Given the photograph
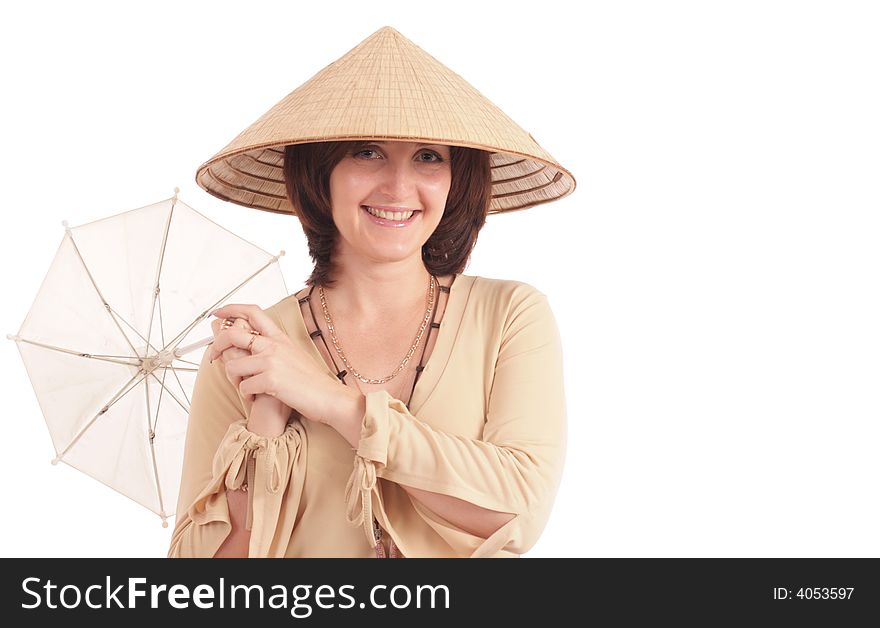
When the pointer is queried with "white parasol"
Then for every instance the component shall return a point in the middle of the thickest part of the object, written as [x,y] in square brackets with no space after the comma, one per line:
[115,336]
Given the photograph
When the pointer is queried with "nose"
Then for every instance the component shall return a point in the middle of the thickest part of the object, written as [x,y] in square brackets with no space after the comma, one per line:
[398,179]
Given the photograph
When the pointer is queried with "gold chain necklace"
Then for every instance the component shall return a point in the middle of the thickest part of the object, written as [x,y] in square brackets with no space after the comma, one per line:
[406,359]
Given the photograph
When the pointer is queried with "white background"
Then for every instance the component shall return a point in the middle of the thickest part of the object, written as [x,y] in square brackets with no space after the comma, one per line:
[714,276]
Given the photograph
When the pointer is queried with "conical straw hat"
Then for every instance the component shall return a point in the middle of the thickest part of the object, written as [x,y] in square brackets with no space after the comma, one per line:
[386,88]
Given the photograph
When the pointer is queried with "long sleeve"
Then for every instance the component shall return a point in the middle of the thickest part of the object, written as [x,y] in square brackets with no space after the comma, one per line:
[515,467]
[221,454]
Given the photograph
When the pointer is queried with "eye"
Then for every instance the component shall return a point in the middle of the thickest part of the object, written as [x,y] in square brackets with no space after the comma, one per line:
[429,156]
[366,153]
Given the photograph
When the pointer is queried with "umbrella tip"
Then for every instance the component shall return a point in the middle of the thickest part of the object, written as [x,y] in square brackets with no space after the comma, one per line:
[64,224]
[164,522]
[55,461]
[11,337]
[282,253]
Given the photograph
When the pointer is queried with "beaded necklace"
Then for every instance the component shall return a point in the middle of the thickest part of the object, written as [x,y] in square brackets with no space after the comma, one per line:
[394,552]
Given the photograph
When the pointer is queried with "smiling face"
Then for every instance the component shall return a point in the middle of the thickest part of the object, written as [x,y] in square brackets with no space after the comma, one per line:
[387,198]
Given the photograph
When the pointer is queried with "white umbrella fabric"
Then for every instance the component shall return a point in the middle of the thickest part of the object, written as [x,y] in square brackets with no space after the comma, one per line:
[115,336]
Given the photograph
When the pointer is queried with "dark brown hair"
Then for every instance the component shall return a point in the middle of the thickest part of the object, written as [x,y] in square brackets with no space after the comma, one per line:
[307,170]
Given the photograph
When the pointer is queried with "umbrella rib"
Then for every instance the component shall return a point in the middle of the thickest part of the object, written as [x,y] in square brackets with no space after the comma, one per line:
[121,359]
[126,388]
[158,405]
[171,394]
[179,383]
[95,286]
[149,412]
[156,283]
[161,320]
[158,485]
[205,314]
[162,331]
[163,387]
[152,445]
[185,408]
[137,333]
[152,437]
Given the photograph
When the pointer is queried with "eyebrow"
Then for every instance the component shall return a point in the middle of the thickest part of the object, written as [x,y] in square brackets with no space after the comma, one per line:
[394,141]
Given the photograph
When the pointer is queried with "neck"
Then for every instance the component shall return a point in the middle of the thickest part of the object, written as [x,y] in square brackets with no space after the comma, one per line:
[388,291]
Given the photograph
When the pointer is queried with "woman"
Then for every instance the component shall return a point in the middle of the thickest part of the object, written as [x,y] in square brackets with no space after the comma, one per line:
[395,406]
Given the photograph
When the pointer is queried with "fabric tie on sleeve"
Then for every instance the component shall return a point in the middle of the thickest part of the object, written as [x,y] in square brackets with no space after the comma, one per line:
[272,471]
[243,473]
[250,444]
[358,496]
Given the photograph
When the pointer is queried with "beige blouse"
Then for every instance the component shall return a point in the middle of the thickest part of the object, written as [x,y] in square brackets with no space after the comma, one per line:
[486,423]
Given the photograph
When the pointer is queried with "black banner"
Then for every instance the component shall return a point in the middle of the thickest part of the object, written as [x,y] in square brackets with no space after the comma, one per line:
[550,591]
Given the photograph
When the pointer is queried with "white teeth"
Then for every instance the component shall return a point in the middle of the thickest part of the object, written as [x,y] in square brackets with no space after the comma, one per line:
[389,215]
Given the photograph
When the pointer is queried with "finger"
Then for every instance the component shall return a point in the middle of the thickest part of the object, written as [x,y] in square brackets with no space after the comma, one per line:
[247,366]
[220,324]
[247,398]
[230,353]
[233,353]
[258,384]
[253,314]
[238,337]
[221,343]
[236,381]
[217,326]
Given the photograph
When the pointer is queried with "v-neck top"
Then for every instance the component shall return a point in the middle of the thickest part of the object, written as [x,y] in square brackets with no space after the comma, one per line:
[486,423]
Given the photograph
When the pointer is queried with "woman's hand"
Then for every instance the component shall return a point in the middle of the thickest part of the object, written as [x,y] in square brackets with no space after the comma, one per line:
[267,415]
[275,366]
[231,353]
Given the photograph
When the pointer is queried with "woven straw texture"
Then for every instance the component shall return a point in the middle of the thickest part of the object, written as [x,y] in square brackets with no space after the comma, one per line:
[386,88]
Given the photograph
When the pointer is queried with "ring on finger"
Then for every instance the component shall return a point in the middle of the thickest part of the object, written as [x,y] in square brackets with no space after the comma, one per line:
[227,323]
[254,334]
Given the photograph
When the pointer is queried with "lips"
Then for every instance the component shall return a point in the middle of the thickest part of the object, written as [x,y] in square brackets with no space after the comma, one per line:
[391,222]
